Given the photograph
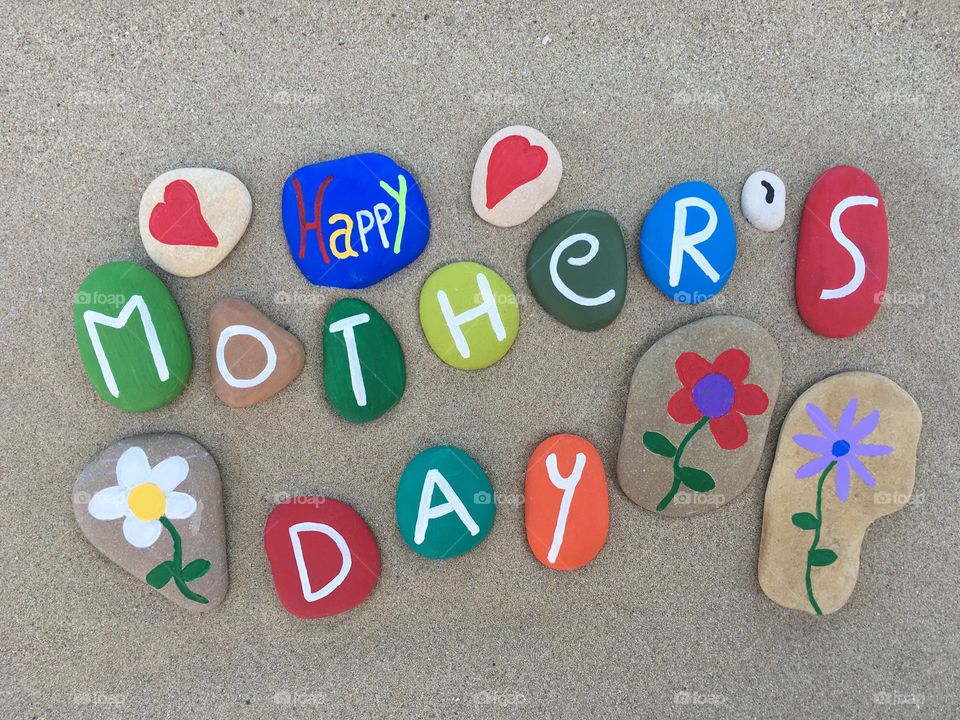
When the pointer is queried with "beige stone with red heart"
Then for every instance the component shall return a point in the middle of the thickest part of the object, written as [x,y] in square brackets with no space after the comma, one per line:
[517,173]
[191,218]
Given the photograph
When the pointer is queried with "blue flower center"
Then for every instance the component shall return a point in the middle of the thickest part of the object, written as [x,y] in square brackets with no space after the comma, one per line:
[840,448]
[713,395]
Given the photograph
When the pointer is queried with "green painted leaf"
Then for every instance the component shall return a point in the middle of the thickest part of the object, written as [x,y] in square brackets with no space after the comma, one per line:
[697,480]
[805,521]
[657,443]
[195,569]
[160,575]
[821,557]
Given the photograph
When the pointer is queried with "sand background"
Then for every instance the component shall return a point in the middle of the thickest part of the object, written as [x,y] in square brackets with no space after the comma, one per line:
[98,101]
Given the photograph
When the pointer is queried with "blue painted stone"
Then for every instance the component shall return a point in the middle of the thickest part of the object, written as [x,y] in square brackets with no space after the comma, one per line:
[352,222]
[692,263]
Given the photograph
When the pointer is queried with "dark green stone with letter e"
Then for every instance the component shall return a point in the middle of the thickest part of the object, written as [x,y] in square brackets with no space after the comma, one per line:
[131,336]
[577,269]
[364,373]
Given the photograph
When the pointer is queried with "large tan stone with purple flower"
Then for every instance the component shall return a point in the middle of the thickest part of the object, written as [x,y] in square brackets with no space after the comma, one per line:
[697,416]
[847,455]
[152,504]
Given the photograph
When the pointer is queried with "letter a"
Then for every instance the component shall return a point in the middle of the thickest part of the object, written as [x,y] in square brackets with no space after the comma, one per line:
[425,514]
[687,244]
[488,307]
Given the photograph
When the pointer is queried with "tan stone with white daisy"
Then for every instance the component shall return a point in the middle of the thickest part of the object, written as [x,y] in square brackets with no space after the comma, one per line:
[153,505]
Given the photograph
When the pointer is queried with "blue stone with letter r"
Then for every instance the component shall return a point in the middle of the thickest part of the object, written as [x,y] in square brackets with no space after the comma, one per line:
[688,244]
[354,221]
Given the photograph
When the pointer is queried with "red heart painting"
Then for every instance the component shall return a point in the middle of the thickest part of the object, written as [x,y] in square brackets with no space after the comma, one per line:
[513,162]
[178,220]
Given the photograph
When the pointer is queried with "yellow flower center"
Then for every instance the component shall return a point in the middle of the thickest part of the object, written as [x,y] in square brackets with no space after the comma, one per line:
[147,501]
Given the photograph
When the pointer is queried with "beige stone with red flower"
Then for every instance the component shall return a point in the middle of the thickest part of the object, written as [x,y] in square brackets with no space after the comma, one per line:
[697,416]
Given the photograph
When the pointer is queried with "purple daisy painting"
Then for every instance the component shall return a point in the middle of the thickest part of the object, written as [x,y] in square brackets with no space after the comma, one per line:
[839,447]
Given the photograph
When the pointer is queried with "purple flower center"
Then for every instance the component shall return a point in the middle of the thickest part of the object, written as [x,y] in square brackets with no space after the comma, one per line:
[713,395]
[840,448]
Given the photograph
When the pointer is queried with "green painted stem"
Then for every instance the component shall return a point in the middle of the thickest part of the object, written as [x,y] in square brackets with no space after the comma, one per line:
[177,562]
[668,498]
[816,538]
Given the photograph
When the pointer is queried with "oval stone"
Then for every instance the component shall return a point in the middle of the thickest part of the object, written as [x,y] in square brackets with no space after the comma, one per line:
[698,412]
[191,218]
[131,336]
[847,456]
[153,505]
[516,174]
[445,503]
[364,373]
[469,315]
[688,244]
[354,221]
[566,510]
[251,357]
[842,253]
[577,269]
[763,201]
[323,556]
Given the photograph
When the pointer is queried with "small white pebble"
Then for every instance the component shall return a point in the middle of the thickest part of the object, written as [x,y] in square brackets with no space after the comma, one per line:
[546,40]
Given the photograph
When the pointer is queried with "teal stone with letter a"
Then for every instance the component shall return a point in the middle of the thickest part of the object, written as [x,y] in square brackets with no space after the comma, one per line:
[445,504]
[131,336]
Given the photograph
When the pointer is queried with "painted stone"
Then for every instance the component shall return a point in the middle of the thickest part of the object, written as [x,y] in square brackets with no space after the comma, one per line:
[846,457]
[577,270]
[131,336]
[517,173]
[323,556]
[445,504]
[842,253]
[153,505]
[251,357]
[364,374]
[763,201]
[688,244]
[354,221]
[697,416]
[566,510]
[469,315]
[191,218]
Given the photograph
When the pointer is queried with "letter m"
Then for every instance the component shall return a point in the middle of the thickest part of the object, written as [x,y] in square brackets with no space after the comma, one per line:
[92,318]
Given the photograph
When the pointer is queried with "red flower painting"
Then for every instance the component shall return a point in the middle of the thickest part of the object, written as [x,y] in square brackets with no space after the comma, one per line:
[711,393]
[716,391]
